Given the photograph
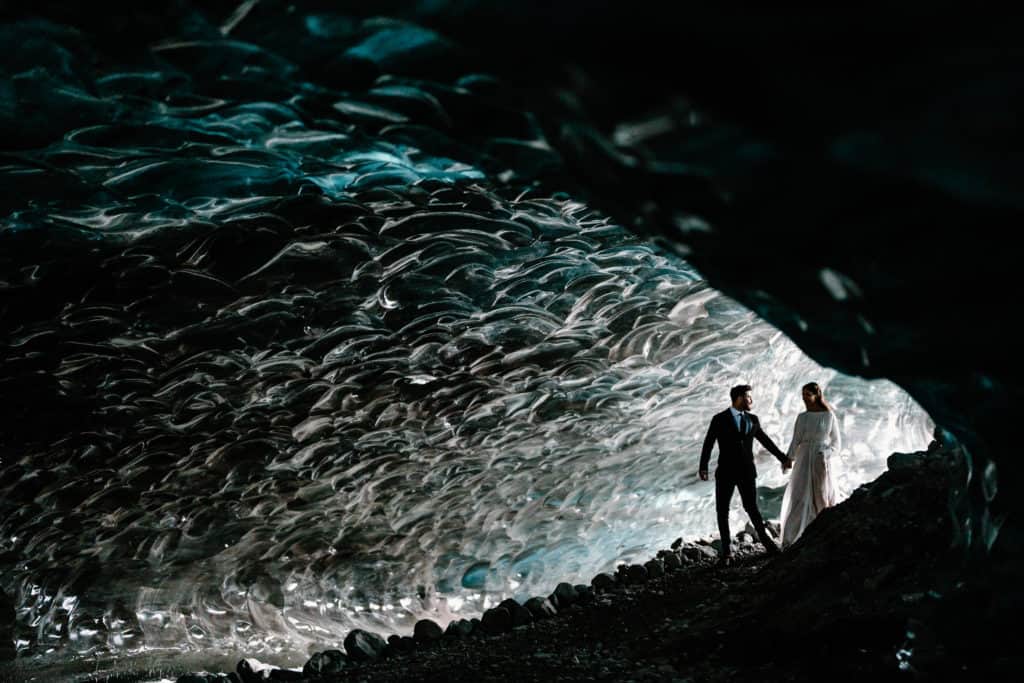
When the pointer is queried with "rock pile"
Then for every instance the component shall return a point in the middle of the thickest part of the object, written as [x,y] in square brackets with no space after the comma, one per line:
[840,600]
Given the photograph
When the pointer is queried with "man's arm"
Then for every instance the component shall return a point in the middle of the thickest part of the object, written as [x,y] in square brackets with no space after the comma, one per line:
[770,445]
[705,452]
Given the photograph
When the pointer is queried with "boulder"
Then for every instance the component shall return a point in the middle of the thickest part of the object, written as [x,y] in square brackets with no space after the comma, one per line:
[250,671]
[637,573]
[426,631]
[520,614]
[584,594]
[496,620]
[7,651]
[363,645]
[401,644]
[459,628]
[540,608]
[900,461]
[654,568]
[326,662]
[699,553]
[563,596]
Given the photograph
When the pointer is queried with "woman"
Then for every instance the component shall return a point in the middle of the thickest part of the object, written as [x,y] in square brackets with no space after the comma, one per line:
[815,440]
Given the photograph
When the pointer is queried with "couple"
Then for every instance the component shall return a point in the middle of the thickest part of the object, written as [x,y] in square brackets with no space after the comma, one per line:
[815,439]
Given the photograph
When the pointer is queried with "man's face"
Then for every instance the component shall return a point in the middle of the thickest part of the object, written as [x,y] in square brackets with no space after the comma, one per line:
[744,401]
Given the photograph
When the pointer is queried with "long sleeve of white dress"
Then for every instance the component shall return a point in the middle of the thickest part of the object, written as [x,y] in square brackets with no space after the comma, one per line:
[835,439]
[791,451]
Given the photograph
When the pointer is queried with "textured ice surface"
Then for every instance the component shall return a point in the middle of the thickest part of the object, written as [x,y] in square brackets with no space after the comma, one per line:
[310,369]
[486,404]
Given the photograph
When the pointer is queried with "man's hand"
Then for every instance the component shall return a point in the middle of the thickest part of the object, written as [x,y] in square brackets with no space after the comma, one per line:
[703,475]
[786,464]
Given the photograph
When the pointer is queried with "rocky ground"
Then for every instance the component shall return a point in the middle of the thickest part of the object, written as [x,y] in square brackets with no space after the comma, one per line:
[850,601]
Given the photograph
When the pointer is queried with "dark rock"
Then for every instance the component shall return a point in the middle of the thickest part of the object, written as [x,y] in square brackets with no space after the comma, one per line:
[698,553]
[603,582]
[676,543]
[363,645]
[496,620]
[401,644]
[460,628]
[427,631]
[637,573]
[286,675]
[7,651]
[873,582]
[540,608]
[654,568]
[584,594]
[672,562]
[899,461]
[326,662]
[192,678]
[520,615]
[876,548]
[248,674]
[563,596]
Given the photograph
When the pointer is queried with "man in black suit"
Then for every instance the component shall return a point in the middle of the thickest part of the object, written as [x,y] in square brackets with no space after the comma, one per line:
[735,430]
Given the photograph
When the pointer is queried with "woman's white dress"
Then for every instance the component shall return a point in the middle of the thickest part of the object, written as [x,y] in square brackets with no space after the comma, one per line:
[815,442]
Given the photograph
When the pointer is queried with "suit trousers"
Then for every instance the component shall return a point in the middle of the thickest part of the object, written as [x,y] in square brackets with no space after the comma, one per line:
[724,485]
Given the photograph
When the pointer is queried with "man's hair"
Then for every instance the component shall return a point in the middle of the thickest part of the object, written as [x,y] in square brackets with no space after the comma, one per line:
[738,391]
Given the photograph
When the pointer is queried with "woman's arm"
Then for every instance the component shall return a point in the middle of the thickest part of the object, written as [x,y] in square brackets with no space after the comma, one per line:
[796,437]
[835,439]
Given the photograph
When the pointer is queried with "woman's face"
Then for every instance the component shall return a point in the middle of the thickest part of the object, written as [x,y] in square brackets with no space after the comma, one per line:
[809,398]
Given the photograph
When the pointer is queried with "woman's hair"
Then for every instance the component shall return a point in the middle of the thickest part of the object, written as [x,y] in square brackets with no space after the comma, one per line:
[816,390]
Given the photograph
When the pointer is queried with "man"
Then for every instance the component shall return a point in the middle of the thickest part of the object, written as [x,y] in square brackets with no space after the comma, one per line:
[735,430]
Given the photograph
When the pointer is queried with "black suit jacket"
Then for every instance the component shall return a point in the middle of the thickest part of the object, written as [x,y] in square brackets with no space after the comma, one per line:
[735,451]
